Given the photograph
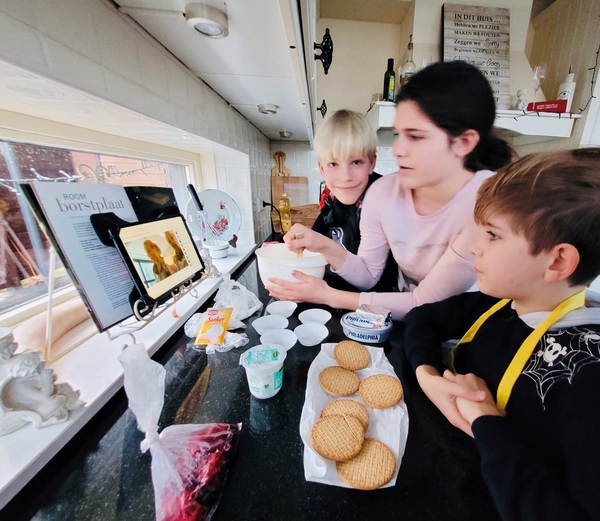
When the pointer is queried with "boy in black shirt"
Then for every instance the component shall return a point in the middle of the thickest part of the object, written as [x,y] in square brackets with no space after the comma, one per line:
[526,384]
[346,147]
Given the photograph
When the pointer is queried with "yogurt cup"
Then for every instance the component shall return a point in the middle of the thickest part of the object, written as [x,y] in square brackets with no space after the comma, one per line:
[264,369]
[361,329]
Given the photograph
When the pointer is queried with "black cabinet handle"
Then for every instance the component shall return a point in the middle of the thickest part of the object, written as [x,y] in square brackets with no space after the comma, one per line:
[326,47]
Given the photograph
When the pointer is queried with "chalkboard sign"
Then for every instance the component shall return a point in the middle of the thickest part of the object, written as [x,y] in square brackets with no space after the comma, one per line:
[480,36]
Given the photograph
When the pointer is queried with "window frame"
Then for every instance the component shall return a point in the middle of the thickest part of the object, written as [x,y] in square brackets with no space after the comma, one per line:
[22,128]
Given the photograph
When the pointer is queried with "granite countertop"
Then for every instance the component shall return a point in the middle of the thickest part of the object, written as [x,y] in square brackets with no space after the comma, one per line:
[102,475]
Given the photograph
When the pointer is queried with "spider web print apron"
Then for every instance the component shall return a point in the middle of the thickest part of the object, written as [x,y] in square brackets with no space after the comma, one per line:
[513,371]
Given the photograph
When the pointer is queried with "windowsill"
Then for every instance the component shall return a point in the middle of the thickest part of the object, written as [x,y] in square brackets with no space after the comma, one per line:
[93,369]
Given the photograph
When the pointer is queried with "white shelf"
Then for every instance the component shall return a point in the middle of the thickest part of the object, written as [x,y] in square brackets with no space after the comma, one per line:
[94,370]
[530,127]
[521,127]
[382,115]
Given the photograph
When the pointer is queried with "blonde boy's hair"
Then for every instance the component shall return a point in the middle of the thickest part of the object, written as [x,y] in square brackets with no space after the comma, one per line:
[550,198]
[346,133]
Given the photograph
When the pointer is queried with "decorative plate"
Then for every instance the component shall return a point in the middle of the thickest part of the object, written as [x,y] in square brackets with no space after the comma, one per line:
[221,212]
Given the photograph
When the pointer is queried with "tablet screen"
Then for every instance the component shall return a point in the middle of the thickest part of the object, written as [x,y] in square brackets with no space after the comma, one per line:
[163,254]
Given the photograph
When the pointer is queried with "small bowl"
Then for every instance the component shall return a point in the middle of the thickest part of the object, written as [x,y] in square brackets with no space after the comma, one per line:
[285,308]
[281,337]
[269,322]
[311,334]
[315,316]
[218,248]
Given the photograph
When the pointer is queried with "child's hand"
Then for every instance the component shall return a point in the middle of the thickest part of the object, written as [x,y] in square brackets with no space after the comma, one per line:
[307,289]
[443,393]
[301,238]
[471,410]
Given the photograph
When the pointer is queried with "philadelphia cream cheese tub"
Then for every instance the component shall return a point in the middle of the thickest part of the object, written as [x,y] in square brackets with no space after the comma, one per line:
[361,329]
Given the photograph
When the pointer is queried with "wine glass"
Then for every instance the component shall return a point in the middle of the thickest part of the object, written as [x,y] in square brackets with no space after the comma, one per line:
[539,75]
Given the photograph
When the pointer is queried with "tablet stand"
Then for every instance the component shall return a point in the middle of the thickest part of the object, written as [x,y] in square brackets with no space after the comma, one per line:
[51,265]
[144,309]
[47,349]
[129,327]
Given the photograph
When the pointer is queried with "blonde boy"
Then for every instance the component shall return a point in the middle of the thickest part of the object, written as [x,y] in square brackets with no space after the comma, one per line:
[527,381]
[346,148]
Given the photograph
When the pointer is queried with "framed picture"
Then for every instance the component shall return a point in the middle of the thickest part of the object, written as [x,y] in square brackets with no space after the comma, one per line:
[480,36]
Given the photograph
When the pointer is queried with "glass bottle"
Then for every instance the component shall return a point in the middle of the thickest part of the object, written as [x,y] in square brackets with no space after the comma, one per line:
[389,81]
[409,68]
[285,211]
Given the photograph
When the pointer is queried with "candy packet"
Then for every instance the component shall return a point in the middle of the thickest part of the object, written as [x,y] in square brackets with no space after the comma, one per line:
[214,326]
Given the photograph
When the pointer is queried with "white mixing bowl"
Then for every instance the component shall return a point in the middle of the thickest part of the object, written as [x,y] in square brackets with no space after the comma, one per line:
[279,262]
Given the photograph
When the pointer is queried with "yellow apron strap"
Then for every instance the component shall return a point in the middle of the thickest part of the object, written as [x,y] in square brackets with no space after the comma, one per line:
[468,336]
[521,357]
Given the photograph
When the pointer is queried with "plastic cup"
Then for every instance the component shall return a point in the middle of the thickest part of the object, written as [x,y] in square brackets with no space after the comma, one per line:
[281,337]
[282,307]
[264,369]
[263,324]
[311,334]
[315,315]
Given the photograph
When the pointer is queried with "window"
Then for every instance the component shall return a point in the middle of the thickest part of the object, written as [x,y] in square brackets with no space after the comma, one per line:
[24,249]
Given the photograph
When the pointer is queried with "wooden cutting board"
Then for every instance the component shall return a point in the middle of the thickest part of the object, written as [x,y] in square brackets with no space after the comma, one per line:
[279,169]
[305,215]
[296,188]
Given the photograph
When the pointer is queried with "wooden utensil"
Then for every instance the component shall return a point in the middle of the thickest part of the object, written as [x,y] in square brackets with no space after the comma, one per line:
[279,170]
[300,254]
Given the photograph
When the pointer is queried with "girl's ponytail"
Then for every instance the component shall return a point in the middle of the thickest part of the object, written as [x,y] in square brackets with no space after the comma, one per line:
[491,153]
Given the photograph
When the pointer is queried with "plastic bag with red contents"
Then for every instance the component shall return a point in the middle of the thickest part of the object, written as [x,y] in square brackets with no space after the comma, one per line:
[189,462]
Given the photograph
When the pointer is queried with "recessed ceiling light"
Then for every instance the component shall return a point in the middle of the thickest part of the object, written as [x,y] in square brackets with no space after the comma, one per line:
[207,20]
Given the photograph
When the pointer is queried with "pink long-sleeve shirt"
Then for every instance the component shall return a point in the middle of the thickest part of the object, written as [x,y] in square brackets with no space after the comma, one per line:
[432,251]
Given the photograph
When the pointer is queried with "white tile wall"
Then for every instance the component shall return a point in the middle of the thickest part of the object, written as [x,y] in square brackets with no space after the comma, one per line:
[89,45]
[386,164]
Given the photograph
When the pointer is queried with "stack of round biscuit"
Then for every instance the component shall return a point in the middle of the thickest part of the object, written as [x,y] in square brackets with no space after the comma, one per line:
[339,434]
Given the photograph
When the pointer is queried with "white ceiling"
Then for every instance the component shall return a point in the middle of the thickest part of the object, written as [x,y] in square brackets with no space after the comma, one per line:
[381,11]
[255,64]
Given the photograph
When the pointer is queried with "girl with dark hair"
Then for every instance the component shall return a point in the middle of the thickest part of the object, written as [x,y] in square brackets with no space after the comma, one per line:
[456,97]
[445,148]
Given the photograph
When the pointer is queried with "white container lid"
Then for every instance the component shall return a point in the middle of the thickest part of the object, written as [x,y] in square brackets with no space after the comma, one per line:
[356,321]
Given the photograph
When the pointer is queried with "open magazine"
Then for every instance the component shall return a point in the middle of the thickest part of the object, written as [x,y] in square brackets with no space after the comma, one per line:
[98,271]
